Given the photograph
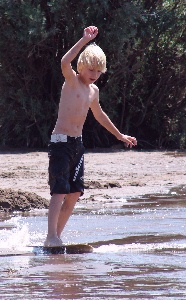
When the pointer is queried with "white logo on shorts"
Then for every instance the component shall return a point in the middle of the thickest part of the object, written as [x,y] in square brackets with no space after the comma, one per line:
[78,168]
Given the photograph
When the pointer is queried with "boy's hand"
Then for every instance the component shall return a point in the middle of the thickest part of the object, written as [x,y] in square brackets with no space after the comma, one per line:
[90,32]
[128,140]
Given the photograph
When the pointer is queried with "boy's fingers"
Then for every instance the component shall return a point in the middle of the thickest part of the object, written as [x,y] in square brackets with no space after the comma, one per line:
[93,29]
[131,141]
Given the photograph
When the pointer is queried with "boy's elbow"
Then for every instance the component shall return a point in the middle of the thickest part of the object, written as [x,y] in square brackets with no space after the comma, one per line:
[64,65]
[63,62]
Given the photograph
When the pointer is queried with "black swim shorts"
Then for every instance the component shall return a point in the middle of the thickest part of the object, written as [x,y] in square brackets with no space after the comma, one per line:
[66,166]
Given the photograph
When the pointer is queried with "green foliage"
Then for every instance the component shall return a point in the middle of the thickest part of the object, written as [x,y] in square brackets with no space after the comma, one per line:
[143,90]
[28,74]
[148,78]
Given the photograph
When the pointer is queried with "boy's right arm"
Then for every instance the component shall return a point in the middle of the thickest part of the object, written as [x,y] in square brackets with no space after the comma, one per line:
[89,34]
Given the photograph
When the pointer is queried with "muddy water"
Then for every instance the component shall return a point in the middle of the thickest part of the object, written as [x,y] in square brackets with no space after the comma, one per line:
[139,253]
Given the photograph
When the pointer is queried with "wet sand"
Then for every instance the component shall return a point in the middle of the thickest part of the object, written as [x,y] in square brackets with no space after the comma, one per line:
[110,175]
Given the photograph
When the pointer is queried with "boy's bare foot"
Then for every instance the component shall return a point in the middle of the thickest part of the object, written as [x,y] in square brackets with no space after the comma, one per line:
[53,242]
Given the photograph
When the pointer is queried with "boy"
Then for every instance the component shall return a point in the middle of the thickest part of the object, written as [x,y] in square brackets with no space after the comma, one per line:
[79,93]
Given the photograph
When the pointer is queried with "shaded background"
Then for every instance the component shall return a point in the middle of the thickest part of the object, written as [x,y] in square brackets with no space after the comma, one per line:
[143,91]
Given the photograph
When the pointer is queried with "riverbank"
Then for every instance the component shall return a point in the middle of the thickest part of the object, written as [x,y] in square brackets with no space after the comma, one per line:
[111,176]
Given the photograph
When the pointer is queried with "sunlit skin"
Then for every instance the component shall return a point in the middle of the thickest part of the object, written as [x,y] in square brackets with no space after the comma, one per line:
[78,94]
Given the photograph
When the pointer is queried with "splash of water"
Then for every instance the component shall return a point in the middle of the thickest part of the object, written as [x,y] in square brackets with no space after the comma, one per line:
[17,238]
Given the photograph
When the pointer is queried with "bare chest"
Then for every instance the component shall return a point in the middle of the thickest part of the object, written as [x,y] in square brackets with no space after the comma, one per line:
[77,99]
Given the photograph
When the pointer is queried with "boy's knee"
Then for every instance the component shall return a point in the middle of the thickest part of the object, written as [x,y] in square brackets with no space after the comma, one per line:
[77,195]
[70,200]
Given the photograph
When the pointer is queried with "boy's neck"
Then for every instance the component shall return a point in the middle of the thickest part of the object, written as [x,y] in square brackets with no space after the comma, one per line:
[83,81]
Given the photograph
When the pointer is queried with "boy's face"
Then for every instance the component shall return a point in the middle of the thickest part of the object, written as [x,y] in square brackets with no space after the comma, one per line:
[90,75]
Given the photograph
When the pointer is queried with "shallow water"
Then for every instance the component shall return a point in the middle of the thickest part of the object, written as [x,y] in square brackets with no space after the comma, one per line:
[139,253]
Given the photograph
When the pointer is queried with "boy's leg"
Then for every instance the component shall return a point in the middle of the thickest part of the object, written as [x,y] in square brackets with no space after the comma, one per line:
[66,211]
[60,209]
[53,215]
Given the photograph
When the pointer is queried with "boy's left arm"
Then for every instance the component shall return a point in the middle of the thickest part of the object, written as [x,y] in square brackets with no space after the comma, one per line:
[104,120]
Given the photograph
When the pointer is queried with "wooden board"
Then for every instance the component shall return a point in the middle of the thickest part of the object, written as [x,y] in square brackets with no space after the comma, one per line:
[66,249]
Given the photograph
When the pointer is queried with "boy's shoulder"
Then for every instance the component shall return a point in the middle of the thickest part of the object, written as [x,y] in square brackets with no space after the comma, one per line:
[95,87]
[95,90]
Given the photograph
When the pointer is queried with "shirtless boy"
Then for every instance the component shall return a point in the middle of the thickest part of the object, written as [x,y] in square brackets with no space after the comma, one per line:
[79,93]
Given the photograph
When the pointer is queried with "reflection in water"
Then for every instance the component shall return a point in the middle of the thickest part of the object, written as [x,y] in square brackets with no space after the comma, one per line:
[139,253]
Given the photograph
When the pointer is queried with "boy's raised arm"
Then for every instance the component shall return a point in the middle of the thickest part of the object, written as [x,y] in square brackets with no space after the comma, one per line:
[89,34]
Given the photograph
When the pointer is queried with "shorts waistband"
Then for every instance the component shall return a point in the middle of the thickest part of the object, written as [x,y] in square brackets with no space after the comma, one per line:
[60,137]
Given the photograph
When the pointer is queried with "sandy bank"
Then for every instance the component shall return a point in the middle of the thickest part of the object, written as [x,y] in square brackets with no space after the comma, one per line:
[110,175]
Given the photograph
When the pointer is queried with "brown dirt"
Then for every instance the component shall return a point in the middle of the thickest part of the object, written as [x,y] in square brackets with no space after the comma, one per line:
[110,176]
[11,200]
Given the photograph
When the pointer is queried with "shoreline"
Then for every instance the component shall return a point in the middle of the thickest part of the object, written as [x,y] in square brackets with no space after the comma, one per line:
[111,176]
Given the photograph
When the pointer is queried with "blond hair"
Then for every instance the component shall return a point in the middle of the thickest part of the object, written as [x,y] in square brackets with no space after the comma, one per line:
[92,57]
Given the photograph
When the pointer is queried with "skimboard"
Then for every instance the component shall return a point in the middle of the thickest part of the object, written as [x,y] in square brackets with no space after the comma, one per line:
[41,250]
[65,249]
[14,252]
